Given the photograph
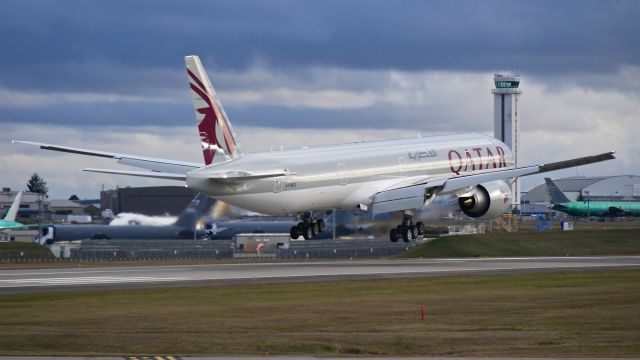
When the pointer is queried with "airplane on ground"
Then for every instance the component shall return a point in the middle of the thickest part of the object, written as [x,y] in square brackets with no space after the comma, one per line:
[182,228]
[560,202]
[399,175]
[9,221]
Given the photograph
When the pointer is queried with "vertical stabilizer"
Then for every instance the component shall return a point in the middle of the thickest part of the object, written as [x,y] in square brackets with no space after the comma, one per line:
[13,210]
[557,196]
[216,135]
[194,211]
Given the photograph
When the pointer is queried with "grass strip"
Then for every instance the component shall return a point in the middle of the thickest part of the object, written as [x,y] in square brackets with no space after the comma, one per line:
[550,243]
[537,315]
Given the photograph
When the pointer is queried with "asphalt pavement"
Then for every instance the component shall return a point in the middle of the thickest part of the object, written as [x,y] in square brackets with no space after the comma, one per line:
[128,277]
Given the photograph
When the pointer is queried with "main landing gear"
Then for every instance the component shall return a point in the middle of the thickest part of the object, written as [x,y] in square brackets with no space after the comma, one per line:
[406,231]
[308,227]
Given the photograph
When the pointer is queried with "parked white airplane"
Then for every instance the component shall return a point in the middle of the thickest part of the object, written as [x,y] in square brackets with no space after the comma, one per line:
[378,176]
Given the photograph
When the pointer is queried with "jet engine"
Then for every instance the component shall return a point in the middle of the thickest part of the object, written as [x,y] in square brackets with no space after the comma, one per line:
[487,200]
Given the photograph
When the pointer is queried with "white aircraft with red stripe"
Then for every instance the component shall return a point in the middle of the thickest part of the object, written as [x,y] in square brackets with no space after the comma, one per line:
[400,175]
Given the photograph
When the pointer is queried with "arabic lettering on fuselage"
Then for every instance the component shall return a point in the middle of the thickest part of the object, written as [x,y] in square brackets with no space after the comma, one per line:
[419,155]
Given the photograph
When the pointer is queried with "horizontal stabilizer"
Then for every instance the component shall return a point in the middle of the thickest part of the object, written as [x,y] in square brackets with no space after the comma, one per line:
[240,175]
[149,174]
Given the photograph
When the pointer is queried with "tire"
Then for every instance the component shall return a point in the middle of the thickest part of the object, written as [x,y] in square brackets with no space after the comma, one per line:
[321,225]
[414,231]
[294,232]
[420,227]
[307,233]
[407,234]
[314,229]
[393,235]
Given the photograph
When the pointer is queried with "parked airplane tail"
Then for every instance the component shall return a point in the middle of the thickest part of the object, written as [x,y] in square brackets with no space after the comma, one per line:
[557,196]
[216,135]
[194,211]
[13,210]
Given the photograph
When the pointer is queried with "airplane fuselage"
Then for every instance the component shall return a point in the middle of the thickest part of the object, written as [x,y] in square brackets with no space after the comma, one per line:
[343,176]
[599,208]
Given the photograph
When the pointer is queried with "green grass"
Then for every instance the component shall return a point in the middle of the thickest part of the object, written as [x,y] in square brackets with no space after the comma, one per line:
[546,314]
[20,250]
[550,243]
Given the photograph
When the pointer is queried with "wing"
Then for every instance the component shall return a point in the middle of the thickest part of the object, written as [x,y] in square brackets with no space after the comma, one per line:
[405,196]
[149,163]
[149,174]
[223,176]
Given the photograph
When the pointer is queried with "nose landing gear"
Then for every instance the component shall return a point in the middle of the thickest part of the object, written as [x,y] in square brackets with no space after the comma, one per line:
[407,230]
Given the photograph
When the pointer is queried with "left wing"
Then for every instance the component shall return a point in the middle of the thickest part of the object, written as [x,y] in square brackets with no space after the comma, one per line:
[149,163]
[222,176]
[418,194]
[149,174]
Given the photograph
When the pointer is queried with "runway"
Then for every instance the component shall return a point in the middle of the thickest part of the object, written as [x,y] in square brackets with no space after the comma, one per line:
[131,277]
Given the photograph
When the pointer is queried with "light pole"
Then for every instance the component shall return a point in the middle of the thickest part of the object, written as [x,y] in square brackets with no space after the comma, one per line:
[588,207]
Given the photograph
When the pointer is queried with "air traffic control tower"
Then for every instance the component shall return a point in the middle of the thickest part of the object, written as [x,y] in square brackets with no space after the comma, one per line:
[505,118]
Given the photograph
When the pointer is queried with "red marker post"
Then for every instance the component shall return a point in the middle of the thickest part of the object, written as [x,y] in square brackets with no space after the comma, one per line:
[422,312]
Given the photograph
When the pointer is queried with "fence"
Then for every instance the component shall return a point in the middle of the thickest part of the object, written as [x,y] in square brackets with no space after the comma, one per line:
[342,249]
[101,250]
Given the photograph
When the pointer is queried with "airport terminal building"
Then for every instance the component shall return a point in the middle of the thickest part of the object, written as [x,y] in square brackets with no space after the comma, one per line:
[600,188]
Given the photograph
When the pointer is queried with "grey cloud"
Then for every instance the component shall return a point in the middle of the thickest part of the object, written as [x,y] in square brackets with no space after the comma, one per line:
[48,44]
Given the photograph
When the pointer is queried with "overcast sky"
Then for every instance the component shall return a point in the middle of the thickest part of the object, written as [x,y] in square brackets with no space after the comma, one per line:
[110,75]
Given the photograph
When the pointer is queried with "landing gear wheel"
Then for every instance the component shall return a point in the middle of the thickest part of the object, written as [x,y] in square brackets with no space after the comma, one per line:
[307,232]
[420,228]
[314,229]
[393,235]
[321,225]
[407,234]
[294,232]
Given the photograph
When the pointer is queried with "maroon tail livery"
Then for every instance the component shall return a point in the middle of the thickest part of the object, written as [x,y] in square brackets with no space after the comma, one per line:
[216,135]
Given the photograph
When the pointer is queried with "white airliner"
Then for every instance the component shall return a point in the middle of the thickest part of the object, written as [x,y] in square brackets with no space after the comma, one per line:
[378,176]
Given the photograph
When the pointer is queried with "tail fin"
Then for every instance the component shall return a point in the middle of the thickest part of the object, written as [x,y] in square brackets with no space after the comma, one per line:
[196,209]
[13,210]
[216,135]
[557,196]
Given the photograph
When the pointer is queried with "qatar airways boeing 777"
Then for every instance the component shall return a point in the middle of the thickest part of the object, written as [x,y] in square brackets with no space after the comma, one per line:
[377,176]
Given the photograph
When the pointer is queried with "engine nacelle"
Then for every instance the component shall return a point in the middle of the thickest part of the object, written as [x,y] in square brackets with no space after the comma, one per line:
[486,201]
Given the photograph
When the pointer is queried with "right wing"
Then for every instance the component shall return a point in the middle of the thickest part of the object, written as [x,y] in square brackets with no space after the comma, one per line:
[416,195]
[149,163]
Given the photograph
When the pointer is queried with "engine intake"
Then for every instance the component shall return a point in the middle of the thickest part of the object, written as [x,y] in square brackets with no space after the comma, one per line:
[487,200]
